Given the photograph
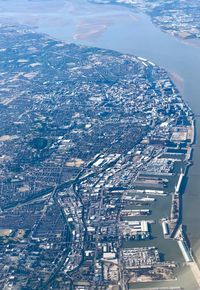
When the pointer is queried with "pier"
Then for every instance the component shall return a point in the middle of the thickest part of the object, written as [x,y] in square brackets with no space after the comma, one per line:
[187,254]
[176,207]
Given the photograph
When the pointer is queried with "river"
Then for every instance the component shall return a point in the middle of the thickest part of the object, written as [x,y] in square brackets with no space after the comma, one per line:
[119,28]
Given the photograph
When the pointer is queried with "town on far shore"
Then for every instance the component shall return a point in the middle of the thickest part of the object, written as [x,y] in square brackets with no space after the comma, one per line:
[174,17]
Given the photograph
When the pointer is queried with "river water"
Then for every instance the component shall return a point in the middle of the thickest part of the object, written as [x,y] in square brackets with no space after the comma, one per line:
[121,29]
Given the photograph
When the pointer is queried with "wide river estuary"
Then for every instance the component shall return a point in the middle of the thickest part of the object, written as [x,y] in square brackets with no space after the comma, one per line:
[124,30]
